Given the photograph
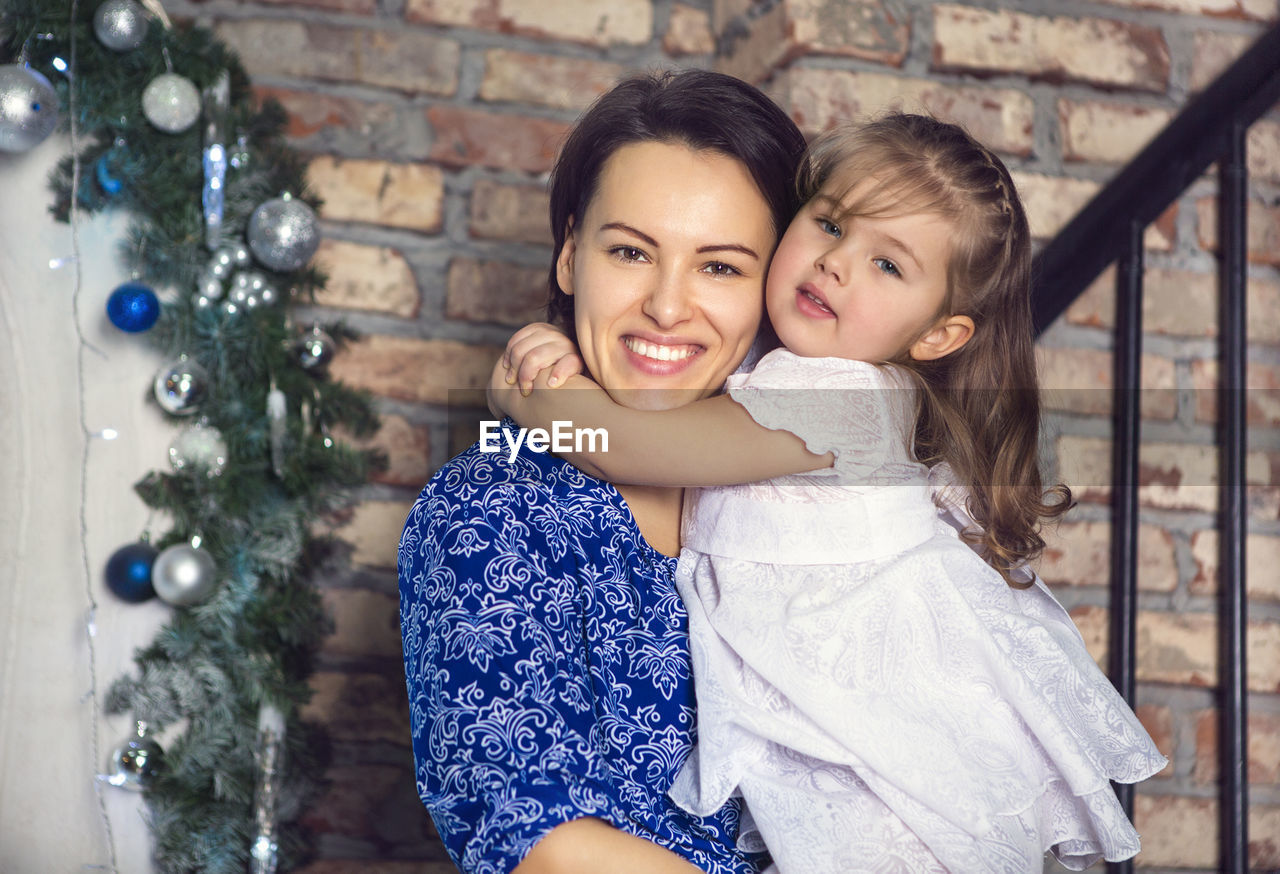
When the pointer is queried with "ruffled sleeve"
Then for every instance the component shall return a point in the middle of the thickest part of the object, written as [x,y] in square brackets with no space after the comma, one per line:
[859,411]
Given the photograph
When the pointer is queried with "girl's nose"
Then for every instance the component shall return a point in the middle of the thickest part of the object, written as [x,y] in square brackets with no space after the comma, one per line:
[669,301]
[833,261]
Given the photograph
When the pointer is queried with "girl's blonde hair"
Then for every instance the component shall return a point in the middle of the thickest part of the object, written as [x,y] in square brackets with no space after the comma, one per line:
[979,406]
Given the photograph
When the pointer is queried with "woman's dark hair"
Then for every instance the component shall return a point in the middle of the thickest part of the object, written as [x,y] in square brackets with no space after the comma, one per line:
[697,108]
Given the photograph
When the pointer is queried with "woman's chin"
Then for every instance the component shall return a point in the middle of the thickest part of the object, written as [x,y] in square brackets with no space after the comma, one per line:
[657,398]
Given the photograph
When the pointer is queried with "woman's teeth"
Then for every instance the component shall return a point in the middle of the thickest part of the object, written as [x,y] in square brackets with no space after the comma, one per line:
[658,352]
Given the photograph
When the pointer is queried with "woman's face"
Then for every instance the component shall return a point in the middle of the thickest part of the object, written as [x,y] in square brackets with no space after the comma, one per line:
[667,268]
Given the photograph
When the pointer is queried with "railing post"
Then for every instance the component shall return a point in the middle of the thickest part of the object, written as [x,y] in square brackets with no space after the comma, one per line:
[1233,750]
[1127,415]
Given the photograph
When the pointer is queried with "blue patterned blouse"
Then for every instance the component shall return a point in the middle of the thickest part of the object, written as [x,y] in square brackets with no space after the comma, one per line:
[547,659]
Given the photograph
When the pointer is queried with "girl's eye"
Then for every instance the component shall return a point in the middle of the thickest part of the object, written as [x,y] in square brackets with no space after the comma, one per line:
[627,253]
[886,266]
[719,268]
[829,227]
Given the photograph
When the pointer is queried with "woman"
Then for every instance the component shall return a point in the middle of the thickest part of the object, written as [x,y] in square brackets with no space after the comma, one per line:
[546,651]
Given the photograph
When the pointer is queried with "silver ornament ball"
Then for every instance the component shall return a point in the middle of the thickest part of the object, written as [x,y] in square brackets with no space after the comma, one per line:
[283,234]
[136,762]
[120,25]
[199,447]
[171,102]
[28,108]
[180,386]
[184,575]
[315,349]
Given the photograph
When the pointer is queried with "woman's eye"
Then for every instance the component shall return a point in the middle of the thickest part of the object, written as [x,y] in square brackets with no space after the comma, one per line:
[627,253]
[886,266]
[829,227]
[719,268]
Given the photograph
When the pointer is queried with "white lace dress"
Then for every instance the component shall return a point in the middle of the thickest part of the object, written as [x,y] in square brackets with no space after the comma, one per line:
[881,698]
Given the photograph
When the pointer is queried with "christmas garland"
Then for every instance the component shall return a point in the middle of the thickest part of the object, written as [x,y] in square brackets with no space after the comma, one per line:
[221,221]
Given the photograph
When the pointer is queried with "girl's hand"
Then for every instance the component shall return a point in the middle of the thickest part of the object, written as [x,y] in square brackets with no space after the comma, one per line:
[534,348]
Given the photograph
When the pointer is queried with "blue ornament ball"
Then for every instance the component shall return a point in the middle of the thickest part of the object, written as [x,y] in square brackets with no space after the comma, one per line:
[133,307]
[129,572]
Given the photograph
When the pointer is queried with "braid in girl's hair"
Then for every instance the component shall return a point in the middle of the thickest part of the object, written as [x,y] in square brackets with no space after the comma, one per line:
[980,406]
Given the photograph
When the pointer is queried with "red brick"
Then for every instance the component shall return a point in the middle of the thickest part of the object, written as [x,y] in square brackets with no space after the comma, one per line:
[407,447]
[379,192]
[373,530]
[1176,832]
[323,122]
[1263,156]
[363,708]
[1263,231]
[1262,392]
[354,7]
[372,278]
[1264,837]
[1106,132]
[593,22]
[1158,721]
[1262,558]
[371,803]
[1052,201]
[1180,303]
[422,371]
[1263,753]
[1171,476]
[518,213]
[365,623]
[495,291]
[819,99]
[1093,50]
[545,80]
[688,32]
[1080,381]
[867,29]
[1257,9]
[404,60]
[1079,554]
[1213,52]
[368,866]
[508,142]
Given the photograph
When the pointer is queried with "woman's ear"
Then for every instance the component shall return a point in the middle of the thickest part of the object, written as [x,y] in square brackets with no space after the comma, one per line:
[564,261]
[945,337]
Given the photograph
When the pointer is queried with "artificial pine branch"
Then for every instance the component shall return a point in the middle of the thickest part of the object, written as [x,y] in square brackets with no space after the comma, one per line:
[254,640]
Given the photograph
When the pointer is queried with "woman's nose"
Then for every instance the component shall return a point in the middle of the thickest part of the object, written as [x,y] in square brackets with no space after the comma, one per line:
[670,300]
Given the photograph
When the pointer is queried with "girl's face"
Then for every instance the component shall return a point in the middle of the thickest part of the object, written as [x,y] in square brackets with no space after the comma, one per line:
[860,288]
[667,265]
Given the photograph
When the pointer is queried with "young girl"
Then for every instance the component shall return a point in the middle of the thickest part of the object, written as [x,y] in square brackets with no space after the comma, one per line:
[877,672]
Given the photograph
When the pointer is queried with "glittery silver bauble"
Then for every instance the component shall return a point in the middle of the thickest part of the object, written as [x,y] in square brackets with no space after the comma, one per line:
[199,447]
[181,386]
[283,234]
[136,762]
[171,102]
[120,25]
[28,108]
[184,575]
[315,349]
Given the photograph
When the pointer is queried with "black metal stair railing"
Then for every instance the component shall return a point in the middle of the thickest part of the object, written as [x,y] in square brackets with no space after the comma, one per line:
[1212,127]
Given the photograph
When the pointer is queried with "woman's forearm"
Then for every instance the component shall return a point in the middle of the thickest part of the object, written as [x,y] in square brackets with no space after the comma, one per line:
[590,846]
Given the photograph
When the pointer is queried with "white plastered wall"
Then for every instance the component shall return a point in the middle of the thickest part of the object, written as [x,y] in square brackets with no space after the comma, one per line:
[49,815]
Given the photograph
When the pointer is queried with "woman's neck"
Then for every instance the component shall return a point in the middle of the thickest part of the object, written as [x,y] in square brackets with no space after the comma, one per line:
[657,513]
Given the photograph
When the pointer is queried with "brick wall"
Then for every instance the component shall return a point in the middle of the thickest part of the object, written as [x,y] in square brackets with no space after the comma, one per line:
[432,124]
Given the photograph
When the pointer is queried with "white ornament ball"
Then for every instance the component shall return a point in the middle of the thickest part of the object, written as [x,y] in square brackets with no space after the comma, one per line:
[171,102]
[120,25]
[199,447]
[28,108]
[184,575]
[283,234]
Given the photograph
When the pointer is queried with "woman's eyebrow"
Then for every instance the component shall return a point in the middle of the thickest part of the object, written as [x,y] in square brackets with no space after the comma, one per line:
[730,247]
[627,229]
[718,247]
